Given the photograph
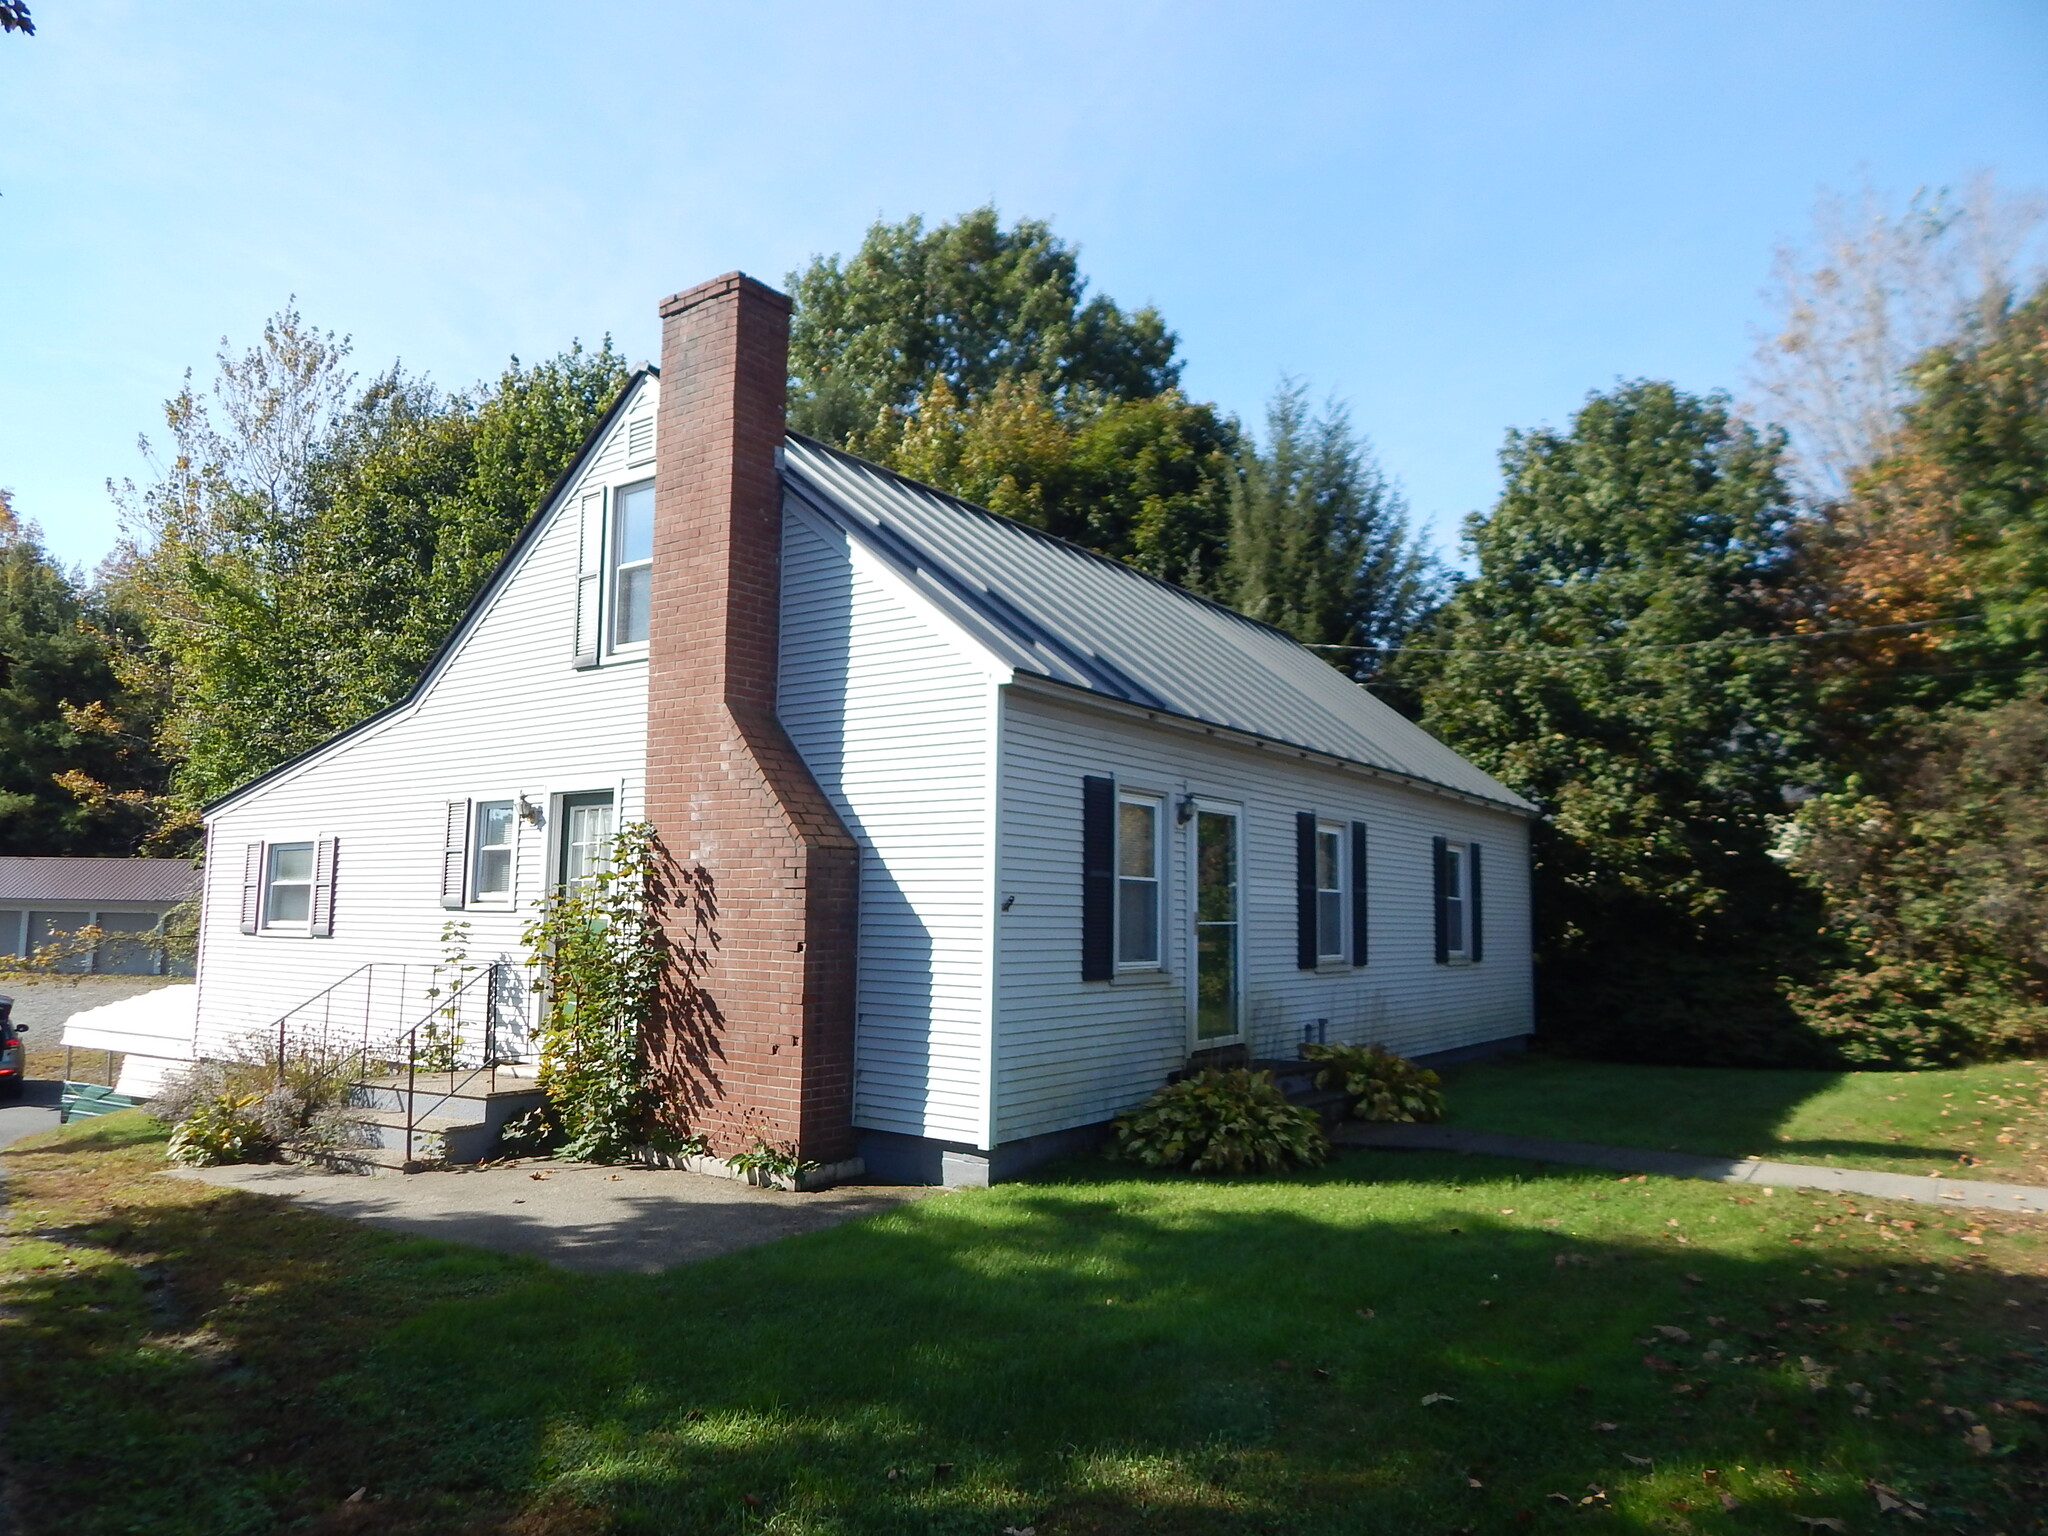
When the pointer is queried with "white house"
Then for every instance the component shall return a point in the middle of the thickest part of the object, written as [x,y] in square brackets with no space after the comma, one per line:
[978,836]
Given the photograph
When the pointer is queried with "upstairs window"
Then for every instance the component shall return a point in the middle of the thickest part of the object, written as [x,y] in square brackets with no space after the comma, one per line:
[1329,893]
[1137,881]
[491,866]
[632,562]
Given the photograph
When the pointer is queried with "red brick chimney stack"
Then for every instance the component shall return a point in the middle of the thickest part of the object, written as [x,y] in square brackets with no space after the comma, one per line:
[755,1036]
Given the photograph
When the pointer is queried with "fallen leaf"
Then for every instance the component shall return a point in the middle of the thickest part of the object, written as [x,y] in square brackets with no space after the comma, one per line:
[753,1500]
[1431,1399]
[1889,1499]
[941,1470]
[1821,1522]
[1729,1501]
[1658,1363]
[536,1175]
[1562,1498]
[1020,1530]
[1814,1302]
[1978,1439]
[1473,1482]
[1365,1312]
[1640,1461]
[1606,1429]
[2026,1405]
[356,1497]
[1678,1335]
[1693,1279]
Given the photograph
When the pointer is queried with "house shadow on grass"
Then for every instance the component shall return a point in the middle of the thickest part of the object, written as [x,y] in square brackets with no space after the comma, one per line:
[1091,1353]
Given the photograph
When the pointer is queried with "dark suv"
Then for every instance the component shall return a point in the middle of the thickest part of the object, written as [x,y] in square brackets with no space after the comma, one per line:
[12,1055]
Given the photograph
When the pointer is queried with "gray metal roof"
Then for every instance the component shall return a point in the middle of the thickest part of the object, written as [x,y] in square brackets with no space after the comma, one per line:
[1051,609]
[117,882]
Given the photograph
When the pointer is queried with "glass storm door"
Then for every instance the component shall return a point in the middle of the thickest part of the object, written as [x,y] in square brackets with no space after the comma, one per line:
[586,836]
[1216,903]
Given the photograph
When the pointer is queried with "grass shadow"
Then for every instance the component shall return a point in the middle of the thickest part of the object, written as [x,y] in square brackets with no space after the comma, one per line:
[1407,1342]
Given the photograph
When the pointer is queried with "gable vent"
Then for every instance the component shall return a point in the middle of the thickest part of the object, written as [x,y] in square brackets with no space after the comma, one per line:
[640,440]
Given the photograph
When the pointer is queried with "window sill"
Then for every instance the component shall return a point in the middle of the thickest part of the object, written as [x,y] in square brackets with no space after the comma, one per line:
[1147,976]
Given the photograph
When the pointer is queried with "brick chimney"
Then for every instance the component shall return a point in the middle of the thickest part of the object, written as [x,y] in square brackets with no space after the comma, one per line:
[755,1033]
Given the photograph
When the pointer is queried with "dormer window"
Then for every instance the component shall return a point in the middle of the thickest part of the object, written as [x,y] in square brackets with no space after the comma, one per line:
[632,545]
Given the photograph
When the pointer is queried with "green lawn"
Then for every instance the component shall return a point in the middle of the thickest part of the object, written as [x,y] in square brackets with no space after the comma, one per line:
[1983,1122]
[1092,1352]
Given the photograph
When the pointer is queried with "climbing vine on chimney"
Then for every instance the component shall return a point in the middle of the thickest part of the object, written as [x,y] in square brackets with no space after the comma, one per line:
[599,951]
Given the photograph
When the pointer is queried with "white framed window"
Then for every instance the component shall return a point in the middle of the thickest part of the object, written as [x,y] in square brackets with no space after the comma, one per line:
[288,886]
[632,547]
[1329,892]
[1457,928]
[490,876]
[586,837]
[1138,906]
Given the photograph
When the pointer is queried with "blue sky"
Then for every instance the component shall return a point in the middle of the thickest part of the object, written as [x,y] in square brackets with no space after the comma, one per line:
[1457,216]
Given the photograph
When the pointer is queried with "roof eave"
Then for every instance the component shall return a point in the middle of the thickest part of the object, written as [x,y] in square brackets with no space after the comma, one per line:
[1052,687]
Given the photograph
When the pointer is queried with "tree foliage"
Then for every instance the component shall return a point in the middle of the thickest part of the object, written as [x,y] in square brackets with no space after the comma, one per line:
[1936,872]
[1319,542]
[969,303]
[308,545]
[1596,663]
[79,773]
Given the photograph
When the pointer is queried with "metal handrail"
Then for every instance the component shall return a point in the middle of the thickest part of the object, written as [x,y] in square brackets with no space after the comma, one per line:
[403,1047]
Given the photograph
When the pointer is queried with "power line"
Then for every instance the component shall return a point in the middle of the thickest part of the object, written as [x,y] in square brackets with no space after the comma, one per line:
[1672,645]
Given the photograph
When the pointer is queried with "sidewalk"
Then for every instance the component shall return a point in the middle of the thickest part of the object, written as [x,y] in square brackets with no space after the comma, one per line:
[1972,1193]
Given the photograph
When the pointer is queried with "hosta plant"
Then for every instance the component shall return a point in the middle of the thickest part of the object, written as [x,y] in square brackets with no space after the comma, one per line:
[226,1129]
[1222,1122]
[1382,1085]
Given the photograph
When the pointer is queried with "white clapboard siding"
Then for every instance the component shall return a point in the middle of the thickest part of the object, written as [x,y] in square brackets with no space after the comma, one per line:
[505,714]
[894,712]
[1073,1053]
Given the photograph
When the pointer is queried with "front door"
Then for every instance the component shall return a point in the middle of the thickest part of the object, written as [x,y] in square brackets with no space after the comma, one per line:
[586,836]
[1217,971]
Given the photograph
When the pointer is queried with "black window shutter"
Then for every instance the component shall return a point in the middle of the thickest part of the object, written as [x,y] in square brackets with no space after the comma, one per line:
[1358,909]
[1098,878]
[1438,855]
[1305,890]
[1475,904]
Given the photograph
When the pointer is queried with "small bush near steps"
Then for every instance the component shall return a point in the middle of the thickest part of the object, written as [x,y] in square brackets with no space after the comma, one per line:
[1384,1086]
[1222,1122]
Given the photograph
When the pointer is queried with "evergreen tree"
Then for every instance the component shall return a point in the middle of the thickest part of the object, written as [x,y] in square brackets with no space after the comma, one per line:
[1596,663]
[1319,542]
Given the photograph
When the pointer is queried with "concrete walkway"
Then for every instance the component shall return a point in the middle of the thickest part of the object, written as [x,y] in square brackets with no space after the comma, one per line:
[580,1217]
[1970,1193]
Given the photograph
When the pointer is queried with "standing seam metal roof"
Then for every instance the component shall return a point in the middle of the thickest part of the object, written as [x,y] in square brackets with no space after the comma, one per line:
[1053,609]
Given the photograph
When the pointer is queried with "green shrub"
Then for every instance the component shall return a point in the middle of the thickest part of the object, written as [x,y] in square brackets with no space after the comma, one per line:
[225,1129]
[1222,1122]
[1384,1086]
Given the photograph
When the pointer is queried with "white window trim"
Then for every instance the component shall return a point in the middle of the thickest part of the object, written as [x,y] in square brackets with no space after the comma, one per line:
[510,897]
[609,615]
[1460,953]
[1341,955]
[1156,803]
[264,924]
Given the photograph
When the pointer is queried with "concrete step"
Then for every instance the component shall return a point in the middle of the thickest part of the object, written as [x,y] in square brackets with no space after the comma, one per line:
[435,1138]
[487,1097]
